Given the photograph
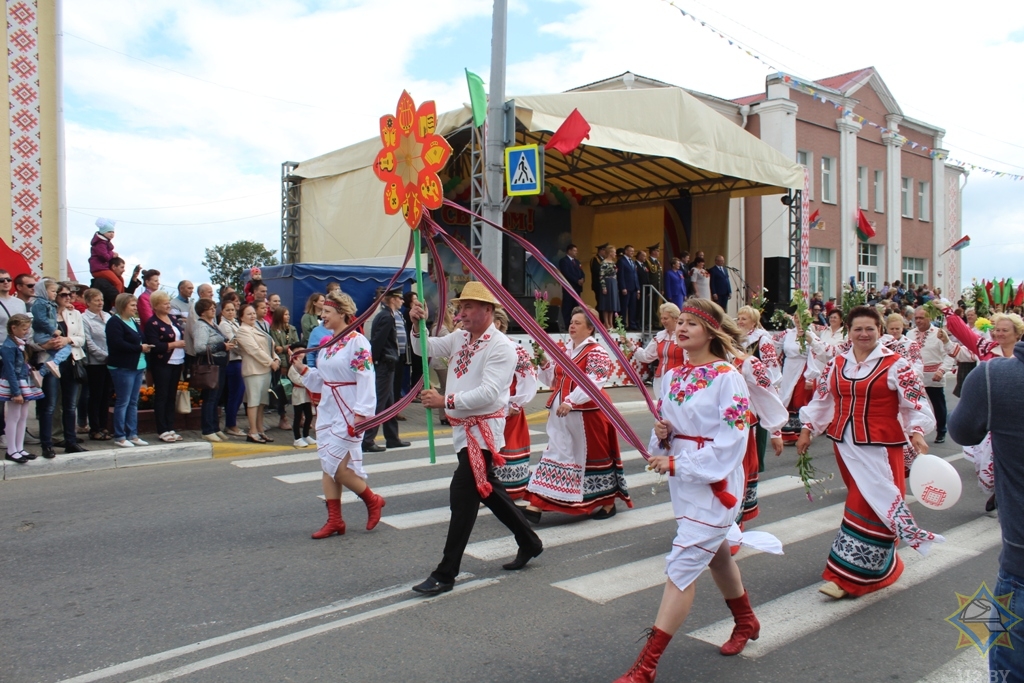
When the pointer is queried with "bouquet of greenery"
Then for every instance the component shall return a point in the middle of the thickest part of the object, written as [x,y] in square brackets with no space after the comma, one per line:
[780,320]
[936,308]
[809,477]
[540,314]
[758,301]
[803,316]
[853,295]
[976,296]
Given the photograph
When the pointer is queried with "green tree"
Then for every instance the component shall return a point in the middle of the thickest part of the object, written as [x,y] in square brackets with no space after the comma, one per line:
[228,263]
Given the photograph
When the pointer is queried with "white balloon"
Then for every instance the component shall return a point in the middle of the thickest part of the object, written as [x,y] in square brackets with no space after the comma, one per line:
[934,482]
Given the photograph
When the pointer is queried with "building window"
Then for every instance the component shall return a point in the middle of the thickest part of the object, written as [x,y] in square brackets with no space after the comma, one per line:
[906,208]
[879,191]
[820,272]
[828,180]
[867,265]
[806,158]
[862,187]
[914,270]
[923,197]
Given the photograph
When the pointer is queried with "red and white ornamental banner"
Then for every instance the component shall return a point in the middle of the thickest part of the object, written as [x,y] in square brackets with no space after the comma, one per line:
[26,156]
[805,236]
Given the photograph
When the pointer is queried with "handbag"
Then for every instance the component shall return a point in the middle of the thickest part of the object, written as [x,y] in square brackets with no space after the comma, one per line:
[183,402]
[205,375]
[78,368]
[36,378]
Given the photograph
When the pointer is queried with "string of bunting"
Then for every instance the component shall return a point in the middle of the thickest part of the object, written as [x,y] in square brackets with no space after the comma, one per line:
[807,87]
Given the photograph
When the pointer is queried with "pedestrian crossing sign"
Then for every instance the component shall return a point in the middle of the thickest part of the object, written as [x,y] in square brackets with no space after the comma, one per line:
[524,170]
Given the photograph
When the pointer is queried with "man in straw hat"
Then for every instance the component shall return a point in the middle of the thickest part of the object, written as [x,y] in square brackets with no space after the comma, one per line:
[479,377]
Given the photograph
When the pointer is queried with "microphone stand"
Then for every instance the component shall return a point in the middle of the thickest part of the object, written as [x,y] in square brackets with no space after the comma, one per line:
[750,293]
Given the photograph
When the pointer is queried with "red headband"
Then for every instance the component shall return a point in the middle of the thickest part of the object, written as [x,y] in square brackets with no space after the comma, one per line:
[333,304]
[706,317]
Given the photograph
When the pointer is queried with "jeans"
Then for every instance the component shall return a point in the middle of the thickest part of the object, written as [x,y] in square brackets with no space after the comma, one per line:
[211,399]
[235,393]
[937,396]
[126,408]
[1001,658]
[165,381]
[64,388]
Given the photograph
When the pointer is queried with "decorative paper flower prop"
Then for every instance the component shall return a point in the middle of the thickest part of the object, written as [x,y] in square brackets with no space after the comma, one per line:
[413,154]
[983,325]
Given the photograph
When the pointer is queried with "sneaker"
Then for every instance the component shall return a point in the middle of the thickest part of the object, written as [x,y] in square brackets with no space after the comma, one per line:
[300,443]
[124,443]
[139,442]
[31,439]
[212,438]
[310,441]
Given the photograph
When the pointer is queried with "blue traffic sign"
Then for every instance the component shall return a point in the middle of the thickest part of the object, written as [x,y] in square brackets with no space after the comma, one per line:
[524,170]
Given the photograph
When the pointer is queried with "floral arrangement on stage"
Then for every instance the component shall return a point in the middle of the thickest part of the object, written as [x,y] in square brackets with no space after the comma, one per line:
[853,295]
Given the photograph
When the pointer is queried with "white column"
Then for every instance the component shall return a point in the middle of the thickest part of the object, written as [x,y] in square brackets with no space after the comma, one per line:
[847,257]
[940,238]
[778,129]
[893,210]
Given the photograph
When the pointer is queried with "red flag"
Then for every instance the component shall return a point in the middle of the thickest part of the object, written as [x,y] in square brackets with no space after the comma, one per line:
[570,134]
[864,229]
[1019,299]
[12,261]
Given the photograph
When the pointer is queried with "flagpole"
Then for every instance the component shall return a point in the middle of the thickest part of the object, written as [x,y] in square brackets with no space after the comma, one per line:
[494,144]
[424,354]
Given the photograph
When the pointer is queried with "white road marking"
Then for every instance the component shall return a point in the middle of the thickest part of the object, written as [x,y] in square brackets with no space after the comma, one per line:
[967,667]
[421,518]
[805,611]
[333,608]
[311,632]
[609,584]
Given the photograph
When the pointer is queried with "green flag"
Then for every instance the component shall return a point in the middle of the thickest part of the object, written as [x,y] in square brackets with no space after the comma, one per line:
[477,98]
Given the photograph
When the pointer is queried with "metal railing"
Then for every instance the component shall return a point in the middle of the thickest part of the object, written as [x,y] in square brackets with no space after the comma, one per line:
[649,295]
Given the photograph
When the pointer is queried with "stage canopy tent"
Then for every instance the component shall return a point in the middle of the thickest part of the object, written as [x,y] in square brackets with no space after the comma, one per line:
[645,145]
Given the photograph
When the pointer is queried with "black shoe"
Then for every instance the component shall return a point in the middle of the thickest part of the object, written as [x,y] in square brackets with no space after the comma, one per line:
[373,448]
[49,453]
[990,504]
[522,557]
[605,514]
[940,438]
[28,456]
[398,444]
[433,587]
[21,460]
[60,444]
[76,448]
[532,516]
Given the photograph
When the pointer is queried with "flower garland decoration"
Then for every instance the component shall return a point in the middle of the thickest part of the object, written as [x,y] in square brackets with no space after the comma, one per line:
[409,162]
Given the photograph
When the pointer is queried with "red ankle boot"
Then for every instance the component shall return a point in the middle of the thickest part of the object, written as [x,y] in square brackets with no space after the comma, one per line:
[335,524]
[644,669]
[747,626]
[374,504]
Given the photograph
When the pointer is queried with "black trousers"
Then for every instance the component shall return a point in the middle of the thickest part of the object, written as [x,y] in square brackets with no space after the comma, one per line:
[937,396]
[385,381]
[165,382]
[302,414]
[568,303]
[101,391]
[464,501]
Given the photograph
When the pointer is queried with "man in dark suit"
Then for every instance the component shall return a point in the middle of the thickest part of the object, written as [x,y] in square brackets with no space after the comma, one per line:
[657,279]
[595,270]
[385,336]
[721,288]
[629,287]
[573,273]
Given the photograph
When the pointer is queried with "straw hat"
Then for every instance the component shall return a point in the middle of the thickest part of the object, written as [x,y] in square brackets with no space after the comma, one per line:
[475,291]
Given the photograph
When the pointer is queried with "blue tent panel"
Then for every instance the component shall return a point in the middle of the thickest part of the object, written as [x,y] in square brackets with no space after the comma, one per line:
[295,282]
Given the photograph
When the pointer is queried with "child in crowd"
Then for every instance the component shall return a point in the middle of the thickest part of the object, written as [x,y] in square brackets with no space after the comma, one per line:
[302,410]
[44,326]
[16,391]
[102,248]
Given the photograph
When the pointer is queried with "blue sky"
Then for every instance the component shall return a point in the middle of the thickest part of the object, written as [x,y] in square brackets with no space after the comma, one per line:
[275,80]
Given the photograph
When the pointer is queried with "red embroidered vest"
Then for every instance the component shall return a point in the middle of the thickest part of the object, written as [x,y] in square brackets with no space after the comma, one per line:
[563,384]
[868,405]
[670,356]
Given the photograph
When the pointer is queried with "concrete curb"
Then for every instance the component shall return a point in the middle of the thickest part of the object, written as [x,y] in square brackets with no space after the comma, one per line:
[108,459]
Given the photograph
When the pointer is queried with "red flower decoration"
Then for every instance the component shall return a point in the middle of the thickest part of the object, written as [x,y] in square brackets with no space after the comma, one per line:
[413,154]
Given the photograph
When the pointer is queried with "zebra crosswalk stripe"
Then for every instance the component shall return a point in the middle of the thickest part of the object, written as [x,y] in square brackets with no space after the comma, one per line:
[805,611]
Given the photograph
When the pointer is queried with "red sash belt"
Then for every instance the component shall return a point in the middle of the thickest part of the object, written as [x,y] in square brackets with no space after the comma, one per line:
[717,487]
[335,388]
[476,455]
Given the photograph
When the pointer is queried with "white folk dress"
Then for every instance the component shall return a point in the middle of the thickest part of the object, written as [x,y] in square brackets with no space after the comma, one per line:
[863,556]
[344,376]
[770,416]
[797,365]
[706,409]
[515,473]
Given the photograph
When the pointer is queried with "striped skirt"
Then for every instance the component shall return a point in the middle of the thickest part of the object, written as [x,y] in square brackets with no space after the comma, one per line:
[29,391]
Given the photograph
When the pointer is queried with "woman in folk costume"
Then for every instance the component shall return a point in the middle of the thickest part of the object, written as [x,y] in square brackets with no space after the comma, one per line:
[895,340]
[1007,330]
[869,400]
[799,370]
[834,334]
[662,347]
[580,472]
[515,473]
[703,433]
[345,378]
[767,413]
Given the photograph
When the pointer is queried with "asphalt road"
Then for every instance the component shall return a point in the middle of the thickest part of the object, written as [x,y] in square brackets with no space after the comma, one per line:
[204,571]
